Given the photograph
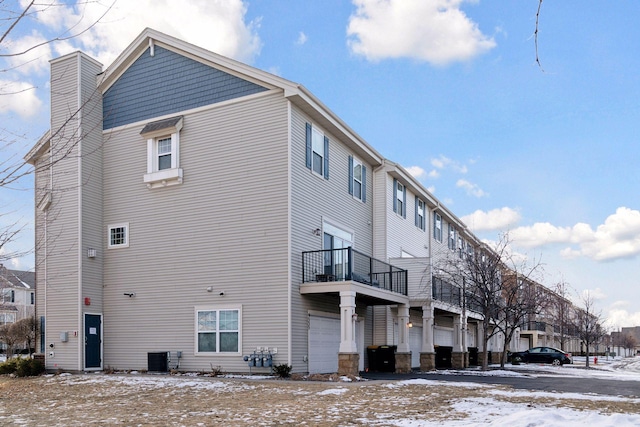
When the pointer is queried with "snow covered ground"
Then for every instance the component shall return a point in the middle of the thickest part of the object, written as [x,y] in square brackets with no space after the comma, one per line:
[409,403]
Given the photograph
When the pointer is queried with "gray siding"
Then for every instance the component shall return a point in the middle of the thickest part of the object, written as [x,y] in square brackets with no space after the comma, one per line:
[61,286]
[225,226]
[167,83]
[312,199]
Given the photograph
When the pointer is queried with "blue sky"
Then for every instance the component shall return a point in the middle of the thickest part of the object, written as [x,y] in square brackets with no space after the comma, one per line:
[449,89]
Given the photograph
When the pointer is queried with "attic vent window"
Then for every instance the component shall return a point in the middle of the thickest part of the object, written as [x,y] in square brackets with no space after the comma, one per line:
[163,149]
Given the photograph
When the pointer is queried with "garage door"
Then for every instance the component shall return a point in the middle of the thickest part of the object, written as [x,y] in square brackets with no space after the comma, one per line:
[415,344]
[324,344]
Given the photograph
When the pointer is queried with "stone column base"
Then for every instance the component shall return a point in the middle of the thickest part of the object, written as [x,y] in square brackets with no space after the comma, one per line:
[427,361]
[459,360]
[348,363]
[403,363]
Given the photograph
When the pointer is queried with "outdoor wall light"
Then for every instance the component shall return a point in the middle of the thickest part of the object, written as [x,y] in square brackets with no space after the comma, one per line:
[130,294]
[354,317]
[316,232]
[210,289]
[410,325]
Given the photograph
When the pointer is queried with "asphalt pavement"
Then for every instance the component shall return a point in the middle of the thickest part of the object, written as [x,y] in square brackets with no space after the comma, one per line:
[529,380]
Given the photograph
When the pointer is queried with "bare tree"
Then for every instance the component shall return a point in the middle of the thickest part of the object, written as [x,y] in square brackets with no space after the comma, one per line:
[629,343]
[15,17]
[24,333]
[494,283]
[562,312]
[589,323]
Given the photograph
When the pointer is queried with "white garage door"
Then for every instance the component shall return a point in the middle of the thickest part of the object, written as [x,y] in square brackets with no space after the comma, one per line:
[415,344]
[443,336]
[324,344]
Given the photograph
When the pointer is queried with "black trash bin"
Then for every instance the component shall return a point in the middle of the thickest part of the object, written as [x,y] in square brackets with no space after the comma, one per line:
[382,358]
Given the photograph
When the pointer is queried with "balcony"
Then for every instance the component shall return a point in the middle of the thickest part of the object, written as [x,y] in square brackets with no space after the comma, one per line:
[534,326]
[339,265]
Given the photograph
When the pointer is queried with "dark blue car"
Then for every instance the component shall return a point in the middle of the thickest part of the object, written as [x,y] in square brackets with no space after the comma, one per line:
[550,355]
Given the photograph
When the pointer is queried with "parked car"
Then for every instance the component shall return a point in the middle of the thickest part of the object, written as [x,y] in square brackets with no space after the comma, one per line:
[542,355]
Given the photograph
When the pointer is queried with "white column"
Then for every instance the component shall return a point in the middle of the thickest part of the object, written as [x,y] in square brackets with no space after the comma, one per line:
[457,334]
[480,337]
[427,329]
[348,322]
[403,329]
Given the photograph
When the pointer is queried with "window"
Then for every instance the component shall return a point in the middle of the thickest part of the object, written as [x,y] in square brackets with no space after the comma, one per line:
[452,238]
[118,236]
[420,209]
[8,295]
[163,148]
[7,318]
[399,198]
[357,179]
[437,227]
[317,153]
[460,248]
[218,330]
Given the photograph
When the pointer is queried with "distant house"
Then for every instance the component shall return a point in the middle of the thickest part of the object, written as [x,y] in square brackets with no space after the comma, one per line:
[193,211]
[17,295]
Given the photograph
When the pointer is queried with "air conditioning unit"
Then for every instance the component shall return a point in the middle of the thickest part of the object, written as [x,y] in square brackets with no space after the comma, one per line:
[158,362]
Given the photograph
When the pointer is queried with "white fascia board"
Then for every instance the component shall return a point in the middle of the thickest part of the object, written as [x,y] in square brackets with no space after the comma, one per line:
[302,97]
[40,147]
[152,37]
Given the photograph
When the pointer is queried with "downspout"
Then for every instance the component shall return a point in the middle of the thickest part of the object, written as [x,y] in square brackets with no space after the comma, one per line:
[289,254]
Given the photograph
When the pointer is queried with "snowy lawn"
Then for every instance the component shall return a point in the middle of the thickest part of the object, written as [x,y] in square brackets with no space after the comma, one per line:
[189,400]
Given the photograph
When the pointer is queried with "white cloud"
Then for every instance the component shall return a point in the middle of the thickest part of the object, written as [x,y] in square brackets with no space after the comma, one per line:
[220,26]
[495,219]
[619,315]
[302,39]
[32,53]
[434,173]
[618,237]
[18,97]
[443,162]
[416,171]
[471,188]
[435,31]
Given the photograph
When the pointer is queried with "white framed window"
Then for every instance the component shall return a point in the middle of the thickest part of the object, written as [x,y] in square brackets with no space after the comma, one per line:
[118,235]
[7,318]
[420,210]
[217,330]
[437,227]
[357,179]
[461,250]
[163,152]
[8,295]
[317,151]
[452,238]
[399,198]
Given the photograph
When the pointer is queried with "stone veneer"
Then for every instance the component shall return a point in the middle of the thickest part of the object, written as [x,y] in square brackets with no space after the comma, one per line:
[403,363]
[348,363]
[427,361]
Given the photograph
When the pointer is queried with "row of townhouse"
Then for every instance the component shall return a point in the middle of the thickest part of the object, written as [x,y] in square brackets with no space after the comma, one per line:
[192,211]
[17,296]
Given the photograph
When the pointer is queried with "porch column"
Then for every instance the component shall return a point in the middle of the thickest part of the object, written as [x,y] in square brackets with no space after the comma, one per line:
[403,353]
[348,322]
[348,357]
[457,355]
[428,354]
[427,329]
[403,329]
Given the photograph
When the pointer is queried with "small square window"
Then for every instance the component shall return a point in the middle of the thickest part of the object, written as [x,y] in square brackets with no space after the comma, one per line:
[118,236]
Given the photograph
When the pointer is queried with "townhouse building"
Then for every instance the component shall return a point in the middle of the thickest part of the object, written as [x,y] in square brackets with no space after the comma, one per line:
[196,209]
[17,295]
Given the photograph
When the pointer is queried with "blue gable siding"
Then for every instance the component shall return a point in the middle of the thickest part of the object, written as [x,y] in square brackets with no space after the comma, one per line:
[167,83]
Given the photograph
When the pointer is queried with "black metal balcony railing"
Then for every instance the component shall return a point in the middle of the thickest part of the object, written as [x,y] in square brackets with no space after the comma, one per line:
[534,326]
[337,265]
[444,291]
